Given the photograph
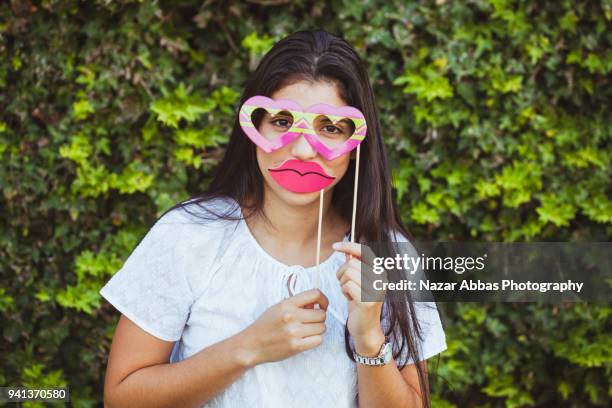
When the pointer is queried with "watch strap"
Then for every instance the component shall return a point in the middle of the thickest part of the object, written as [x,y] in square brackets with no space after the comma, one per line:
[381,359]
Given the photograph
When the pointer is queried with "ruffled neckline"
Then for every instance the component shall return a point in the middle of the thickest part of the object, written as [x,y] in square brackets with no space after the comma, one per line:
[292,279]
[322,265]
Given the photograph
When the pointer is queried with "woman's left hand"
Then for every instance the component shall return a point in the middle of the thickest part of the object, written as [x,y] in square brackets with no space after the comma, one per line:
[364,317]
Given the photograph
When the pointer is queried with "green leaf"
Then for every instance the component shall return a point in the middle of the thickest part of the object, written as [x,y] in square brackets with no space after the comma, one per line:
[553,210]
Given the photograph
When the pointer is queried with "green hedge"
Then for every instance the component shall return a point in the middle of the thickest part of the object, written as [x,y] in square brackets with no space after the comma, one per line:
[496,116]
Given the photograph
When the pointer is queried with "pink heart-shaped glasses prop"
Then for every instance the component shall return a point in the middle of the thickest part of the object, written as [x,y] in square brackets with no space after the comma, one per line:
[303,123]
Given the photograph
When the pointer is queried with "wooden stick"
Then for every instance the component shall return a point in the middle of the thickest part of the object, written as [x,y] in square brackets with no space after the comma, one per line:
[355,196]
[318,277]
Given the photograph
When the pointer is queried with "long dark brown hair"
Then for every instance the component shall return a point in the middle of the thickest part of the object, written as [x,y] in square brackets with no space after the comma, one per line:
[317,55]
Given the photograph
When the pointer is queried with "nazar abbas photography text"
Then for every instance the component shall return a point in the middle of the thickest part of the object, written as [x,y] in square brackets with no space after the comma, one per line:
[411,264]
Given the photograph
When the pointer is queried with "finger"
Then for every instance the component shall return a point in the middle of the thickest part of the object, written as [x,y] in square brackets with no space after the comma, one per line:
[311,329]
[349,248]
[351,289]
[351,263]
[367,292]
[360,251]
[346,295]
[355,264]
[361,274]
[341,270]
[351,274]
[310,297]
[357,271]
[307,343]
[311,315]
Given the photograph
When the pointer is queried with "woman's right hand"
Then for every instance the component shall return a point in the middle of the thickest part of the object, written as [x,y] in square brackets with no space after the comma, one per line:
[287,328]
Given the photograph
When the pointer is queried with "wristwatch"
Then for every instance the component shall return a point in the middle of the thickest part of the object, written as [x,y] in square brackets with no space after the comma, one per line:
[384,356]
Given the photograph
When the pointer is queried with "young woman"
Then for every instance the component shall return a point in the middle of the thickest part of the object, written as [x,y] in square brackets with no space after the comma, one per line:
[230,274]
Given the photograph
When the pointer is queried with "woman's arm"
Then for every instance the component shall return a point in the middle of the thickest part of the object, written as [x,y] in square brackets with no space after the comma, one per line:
[386,386]
[139,374]
[379,386]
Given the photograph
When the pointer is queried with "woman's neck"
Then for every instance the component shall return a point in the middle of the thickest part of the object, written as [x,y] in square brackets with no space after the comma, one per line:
[291,233]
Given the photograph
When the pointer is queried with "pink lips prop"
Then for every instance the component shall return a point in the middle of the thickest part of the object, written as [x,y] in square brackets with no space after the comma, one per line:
[301,176]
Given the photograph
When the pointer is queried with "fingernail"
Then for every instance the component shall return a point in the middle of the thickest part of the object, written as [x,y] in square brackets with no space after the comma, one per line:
[336,245]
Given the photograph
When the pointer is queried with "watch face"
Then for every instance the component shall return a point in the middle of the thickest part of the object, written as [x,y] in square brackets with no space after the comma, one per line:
[387,352]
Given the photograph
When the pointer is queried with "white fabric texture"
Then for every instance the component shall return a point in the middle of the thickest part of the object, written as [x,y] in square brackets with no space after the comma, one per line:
[201,282]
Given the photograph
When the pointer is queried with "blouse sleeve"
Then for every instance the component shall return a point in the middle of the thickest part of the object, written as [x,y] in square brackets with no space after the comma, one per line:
[151,288]
[433,338]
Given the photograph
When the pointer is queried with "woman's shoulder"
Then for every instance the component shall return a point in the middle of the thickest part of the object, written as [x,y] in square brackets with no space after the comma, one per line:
[397,235]
[198,234]
[196,227]
[212,212]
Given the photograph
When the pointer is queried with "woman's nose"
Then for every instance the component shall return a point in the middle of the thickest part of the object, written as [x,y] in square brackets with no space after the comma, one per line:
[302,150]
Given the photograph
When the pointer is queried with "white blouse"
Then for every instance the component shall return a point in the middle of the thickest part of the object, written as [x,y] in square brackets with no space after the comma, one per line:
[201,282]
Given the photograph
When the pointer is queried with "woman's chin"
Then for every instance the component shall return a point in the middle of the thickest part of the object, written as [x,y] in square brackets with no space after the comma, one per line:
[296,198]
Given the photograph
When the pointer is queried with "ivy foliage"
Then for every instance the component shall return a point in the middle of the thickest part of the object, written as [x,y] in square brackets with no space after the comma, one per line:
[495,113]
